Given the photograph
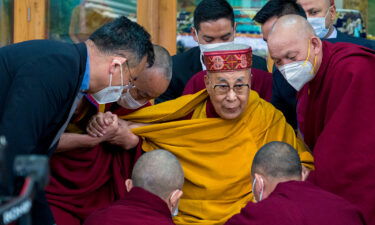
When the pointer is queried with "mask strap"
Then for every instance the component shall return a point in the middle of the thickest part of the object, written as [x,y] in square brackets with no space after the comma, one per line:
[261,192]
[308,52]
[327,11]
[313,69]
[110,79]
[196,35]
[122,78]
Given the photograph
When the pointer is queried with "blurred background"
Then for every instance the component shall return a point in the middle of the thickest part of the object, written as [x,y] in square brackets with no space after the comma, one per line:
[168,21]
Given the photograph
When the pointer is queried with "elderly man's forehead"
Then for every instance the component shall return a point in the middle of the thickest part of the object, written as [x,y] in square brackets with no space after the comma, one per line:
[239,75]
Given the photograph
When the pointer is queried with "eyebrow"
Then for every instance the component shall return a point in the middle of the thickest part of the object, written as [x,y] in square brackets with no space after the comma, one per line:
[283,55]
[313,9]
[205,36]
[239,79]
[226,35]
[223,36]
[224,80]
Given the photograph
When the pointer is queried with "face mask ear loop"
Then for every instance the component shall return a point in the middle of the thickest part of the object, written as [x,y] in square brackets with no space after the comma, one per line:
[196,35]
[313,69]
[110,80]
[308,54]
[328,11]
[122,78]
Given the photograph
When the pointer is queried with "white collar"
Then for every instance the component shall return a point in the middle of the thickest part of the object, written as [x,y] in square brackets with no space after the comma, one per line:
[333,34]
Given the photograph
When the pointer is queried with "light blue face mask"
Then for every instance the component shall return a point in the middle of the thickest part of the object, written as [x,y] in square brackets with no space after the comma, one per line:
[319,25]
[205,47]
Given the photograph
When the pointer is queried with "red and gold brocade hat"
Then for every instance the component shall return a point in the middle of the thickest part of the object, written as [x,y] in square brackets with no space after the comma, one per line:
[228,58]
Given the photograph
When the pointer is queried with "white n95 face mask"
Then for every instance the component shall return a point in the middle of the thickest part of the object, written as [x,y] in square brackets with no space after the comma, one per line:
[319,25]
[110,93]
[205,47]
[298,73]
[127,101]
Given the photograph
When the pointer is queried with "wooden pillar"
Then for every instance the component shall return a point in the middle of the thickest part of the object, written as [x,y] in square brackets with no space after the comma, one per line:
[159,17]
[29,20]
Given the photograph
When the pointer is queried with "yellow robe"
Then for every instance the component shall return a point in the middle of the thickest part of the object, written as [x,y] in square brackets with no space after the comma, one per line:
[216,154]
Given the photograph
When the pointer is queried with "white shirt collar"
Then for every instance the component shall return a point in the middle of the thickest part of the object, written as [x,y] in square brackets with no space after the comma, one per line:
[333,34]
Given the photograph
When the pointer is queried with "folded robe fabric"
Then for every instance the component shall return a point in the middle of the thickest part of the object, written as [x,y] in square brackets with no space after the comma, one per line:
[216,154]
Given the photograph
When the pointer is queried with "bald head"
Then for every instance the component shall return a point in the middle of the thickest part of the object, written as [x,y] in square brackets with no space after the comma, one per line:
[277,160]
[292,39]
[291,26]
[163,61]
[158,172]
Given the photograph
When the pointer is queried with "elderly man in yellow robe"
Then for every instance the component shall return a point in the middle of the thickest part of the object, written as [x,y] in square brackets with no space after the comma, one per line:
[215,134]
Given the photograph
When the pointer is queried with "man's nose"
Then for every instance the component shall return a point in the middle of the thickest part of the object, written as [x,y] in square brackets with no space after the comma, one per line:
[231,95]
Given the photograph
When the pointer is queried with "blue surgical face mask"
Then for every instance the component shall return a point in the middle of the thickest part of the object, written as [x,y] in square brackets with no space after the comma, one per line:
[319,25]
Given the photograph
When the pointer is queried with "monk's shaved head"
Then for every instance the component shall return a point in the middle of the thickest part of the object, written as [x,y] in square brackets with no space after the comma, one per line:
[277,160]
[291,25]
[293,39]
[163,61]
[158,172]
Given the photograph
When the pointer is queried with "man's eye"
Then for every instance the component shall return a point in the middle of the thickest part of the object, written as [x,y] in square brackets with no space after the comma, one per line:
[223,87]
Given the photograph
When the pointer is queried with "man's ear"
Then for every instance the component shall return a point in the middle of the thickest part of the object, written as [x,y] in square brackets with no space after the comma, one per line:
[304,173]
[116,61]
[194,33]
[316,45]
[207,83]
[174,197]
[260,181]
[332,11]
[128,184]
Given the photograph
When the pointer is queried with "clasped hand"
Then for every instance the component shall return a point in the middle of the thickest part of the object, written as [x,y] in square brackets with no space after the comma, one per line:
[113,130]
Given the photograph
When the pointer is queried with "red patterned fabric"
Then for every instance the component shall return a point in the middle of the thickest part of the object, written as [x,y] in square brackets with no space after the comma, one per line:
[228,60]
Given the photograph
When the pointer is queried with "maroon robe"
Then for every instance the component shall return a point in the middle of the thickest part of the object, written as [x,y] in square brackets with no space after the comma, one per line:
[299,203]
[336,117]
[139,207]
[261,82]
[84,180]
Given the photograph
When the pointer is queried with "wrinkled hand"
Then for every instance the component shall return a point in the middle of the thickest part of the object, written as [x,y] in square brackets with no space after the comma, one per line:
[124,137]
[104,125]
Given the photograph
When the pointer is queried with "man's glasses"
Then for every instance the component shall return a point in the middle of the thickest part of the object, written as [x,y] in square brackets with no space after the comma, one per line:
[223,89]
[131,79]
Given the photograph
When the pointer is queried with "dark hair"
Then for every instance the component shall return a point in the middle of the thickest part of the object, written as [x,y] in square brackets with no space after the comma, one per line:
[278,8]
[123,34]
[212,10]
[277,159]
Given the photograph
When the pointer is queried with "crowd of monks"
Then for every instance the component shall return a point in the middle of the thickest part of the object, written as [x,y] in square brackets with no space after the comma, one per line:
[288,145]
